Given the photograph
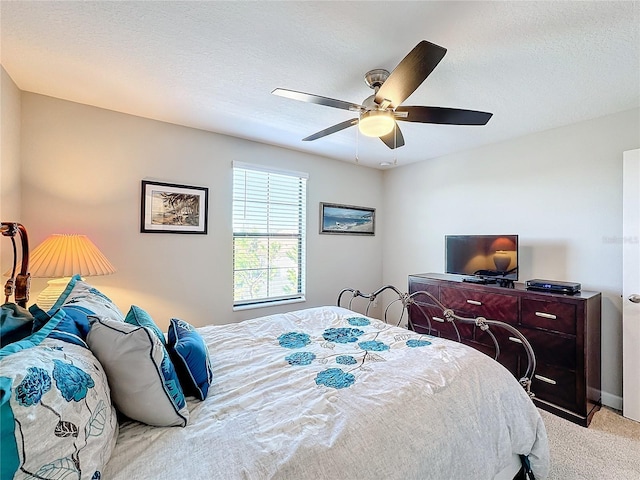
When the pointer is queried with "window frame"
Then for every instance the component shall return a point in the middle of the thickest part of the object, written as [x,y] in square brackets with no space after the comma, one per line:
[300,235]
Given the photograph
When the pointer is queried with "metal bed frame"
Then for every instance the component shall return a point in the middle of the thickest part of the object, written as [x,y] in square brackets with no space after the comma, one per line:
[405,300]
[17,284]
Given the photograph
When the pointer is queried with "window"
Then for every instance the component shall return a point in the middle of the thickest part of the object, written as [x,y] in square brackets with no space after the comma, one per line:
[269,225]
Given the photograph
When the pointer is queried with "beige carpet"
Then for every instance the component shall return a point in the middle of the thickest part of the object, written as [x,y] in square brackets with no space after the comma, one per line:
[608,450]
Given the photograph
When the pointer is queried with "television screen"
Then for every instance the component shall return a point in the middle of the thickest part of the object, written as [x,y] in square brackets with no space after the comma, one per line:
[482,255]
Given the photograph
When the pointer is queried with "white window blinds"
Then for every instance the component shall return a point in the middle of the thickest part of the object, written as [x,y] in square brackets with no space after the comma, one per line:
[269,225]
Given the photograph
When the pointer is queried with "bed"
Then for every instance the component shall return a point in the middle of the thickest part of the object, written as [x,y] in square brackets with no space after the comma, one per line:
[318,393]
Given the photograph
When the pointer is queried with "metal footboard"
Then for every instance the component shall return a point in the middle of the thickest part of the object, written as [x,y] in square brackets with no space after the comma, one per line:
[348,295]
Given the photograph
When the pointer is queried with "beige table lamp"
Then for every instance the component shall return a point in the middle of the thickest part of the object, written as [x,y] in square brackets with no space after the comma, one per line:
[62,256]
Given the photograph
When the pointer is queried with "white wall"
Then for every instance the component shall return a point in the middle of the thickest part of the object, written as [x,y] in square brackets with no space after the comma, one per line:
[82,167]
[560,190]
[9,162]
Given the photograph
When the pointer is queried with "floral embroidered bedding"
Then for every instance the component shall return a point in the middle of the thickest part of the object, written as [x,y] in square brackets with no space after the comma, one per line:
[326,393]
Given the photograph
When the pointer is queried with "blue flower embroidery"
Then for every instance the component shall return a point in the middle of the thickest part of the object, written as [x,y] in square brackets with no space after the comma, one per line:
[334,378]
[373,345]
[358,321]
[97,475]
[346,360]
[300,358]
[294,340]
[342,335]
[417,343]
[72,382]
[33,386]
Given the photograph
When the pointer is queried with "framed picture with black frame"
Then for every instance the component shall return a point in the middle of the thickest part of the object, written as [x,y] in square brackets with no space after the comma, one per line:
[173,208]
[347,219]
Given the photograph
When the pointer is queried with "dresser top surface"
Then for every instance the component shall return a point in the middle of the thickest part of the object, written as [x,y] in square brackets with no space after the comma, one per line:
[494,288]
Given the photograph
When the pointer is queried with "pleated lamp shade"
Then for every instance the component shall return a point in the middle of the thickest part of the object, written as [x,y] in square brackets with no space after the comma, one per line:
[62,255]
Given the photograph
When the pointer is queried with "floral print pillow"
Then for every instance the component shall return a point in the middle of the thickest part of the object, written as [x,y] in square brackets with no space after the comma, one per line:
[80,295]
[57,417]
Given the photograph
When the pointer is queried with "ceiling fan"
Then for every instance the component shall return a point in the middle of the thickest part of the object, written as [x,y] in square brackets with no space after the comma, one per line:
[378,113]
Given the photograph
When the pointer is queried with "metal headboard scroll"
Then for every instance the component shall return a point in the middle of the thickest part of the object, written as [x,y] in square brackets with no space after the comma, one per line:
[450,316]
[17,285]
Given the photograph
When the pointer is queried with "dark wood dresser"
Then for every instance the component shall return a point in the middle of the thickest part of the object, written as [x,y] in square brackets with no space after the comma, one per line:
[564,331]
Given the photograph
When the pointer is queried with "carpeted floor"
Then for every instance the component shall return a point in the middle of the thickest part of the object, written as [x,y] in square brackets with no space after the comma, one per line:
[608,450]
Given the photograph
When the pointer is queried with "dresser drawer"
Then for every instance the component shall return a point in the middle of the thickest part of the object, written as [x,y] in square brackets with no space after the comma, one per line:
[467,302]
[418,314]
[560,317]
[552,348]
[417,286]
[506,339]
[439,326]
[508,359]
[555,385]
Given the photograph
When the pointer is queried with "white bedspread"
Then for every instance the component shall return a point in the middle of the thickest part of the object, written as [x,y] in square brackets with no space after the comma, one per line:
[405,409]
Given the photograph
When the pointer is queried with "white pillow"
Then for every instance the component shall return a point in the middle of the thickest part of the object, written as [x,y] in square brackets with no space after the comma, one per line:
[144,385]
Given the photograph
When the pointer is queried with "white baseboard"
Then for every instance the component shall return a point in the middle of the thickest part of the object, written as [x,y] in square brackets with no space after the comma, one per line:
[612,401]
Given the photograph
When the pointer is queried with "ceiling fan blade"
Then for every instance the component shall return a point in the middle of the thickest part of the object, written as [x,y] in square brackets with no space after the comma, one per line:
[317,99]
[410,73]
[446,116]
[330,130]
[389,140]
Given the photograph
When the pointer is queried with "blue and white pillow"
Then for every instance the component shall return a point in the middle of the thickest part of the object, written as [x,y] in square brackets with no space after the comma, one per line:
[56,416]
[143,381]
[80,295]
[140,318]
[190,356]
[77,302]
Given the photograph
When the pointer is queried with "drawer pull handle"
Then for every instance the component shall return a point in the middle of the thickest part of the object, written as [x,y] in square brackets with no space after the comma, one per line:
[550,316]
[438,319]
[545,379]
[474,302]
[514,339]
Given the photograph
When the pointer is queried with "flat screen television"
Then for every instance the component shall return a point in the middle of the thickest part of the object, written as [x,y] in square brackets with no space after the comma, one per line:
[482,256]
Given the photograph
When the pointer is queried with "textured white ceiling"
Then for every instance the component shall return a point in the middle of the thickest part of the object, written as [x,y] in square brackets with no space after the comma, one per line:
[212,65]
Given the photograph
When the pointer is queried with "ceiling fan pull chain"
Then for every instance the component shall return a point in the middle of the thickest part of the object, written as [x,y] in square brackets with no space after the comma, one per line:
[395,144]
[357,145]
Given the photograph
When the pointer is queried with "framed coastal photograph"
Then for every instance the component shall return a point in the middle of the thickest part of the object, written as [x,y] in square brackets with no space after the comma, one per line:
[347,219]
[172,208]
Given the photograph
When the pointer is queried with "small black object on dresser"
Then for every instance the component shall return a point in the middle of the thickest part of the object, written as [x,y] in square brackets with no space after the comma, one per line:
[568,288]
[564,331]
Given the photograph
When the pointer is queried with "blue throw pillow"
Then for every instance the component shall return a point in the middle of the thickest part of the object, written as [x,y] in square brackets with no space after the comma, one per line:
[73,327]
[140,318]
[190,357]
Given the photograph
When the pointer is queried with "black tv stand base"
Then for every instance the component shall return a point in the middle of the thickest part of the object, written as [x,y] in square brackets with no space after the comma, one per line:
[501,282]
[479,280]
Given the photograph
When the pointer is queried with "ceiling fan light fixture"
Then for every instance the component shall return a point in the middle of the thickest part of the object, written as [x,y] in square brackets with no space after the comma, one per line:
[376,123]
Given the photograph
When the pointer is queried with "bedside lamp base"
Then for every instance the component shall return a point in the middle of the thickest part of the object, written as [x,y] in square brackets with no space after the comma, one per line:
[49,295]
